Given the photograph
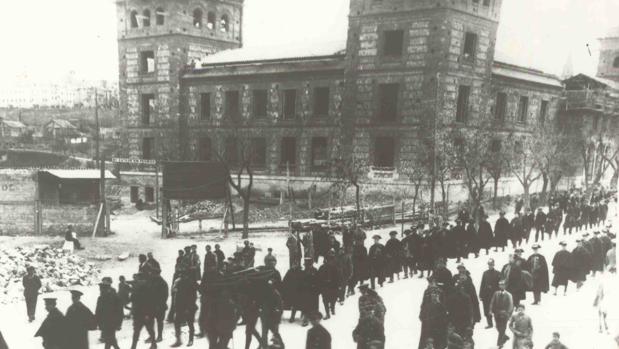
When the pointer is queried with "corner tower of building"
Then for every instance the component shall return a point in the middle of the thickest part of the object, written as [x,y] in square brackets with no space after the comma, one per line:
[396,50]
[608,64]
[156,40]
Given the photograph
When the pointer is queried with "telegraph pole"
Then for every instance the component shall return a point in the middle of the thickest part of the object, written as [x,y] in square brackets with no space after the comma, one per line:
[434,126]
[106,223]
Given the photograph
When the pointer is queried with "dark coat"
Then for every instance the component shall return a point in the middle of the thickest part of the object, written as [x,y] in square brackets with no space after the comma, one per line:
[393,255]
[53,330]
[562,268]
[329,280]
[360,262]
[291,291]
[344,267]
[489,284]
[444,278]
[581,264]
[486,237]
[79,320]
[318,338]
[537,266]
[309,290]
[516,231]
[501,231]
[472,239]
[597,254]
[460,309]
[469,289]
[515,284]
[160,292]
[185,297]
[368,329]
[434,322]
[109,311]
[31,285]
[376,257]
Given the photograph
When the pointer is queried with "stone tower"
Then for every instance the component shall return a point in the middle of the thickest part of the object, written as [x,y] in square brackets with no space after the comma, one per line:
[608,64]
[156,40]
[395,51]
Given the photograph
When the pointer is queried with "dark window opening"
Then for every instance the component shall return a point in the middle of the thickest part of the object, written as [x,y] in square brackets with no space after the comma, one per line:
[232,105]
[384,152]
[462,112]
[231,151]
[146,18]
[288,152]
[148,107]
[543,112]
[470,46]
[320,154]
[210,20]
[134,19]
[225,24]
[134,194]
[160,16]
[616,62]
[148,148]
[486,2]
[205,106]
[259,153]
[501,106]
[394,43]
[197,18]
[459,145]
[205,149]
[260,103]
[518,147]
[147,62]
[523,109]
[149,194]
[321,101]
[388,102]
[290,104]
[495,145]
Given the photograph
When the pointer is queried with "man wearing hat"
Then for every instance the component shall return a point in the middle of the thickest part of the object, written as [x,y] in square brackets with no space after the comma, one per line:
[310,290]
[143,310]
[501,231]
[540,223]
[53,330]
[561,268]
[581,261]
[537,266]
[376,257]
[317,337]
[393,256]
[79,320]
[32,284]
[489,285]
[109,313]
[185,306]
[597,253]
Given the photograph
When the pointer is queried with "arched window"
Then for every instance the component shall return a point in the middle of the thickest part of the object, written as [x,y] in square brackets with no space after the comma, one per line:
[210,20]
[197,18]
[225,24]
[146,18]
[134,19]
[160,16]
[616,62]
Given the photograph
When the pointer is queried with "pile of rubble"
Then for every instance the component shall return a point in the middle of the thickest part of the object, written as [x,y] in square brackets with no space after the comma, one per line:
[57,269]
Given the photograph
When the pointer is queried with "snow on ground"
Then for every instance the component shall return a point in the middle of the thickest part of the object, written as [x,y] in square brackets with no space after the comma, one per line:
[573,315]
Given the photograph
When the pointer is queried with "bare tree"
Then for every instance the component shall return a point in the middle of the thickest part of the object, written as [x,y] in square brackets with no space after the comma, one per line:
[553,156]
[522,163]
[345,171]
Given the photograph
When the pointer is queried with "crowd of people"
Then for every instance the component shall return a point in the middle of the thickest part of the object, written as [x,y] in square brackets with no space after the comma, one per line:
[223,293]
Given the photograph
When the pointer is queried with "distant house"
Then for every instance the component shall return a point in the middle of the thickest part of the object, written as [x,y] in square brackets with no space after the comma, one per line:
[11,128]
[63,130]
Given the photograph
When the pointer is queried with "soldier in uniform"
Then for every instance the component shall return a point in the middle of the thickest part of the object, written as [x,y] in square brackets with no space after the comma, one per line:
[109,314]
[561,268]
[53,330]
[79,320]
[407,254]
[310,289]
[537,266]
[472,240]
[464,280]
[317,336]
[489,285]
[32,284]
[329,282]
[393,256]
[501,230]
[376,259]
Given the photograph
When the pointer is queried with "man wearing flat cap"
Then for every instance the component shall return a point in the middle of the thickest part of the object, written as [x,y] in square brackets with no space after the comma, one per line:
[79,320]
[376,257]
[53,329]
[317,336]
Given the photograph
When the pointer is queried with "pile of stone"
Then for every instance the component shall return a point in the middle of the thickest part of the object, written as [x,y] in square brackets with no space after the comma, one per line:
[57,269]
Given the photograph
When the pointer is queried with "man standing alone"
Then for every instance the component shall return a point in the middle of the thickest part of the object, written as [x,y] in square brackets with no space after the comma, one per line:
[32,284]
[501,306]
[489,285]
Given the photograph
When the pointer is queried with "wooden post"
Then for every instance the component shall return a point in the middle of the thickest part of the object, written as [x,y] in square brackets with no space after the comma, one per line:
[393,215]
[157,187]
[402,216]
[164,217]
[309,198]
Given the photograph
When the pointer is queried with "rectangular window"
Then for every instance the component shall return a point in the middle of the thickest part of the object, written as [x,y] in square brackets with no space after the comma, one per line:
[147,62]
[543,112]
[290,104]
[470,46]
[523,109]
[232,105]
[259,153]
[320,153]
[149,194]
[321,101]
[384,152]
[462,112]
[231,151]
[205,106]
[148,148]
[394,43]
[288,152]
[260,103]
[204,149]
[148,107]
[501,106]
[134,194]
[388,102]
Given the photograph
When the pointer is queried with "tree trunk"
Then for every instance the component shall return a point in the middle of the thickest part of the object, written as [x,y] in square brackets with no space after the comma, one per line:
[246,215]
[444,199]
[358,199]
[496,192]
[526,196]
[614,178]
[545,181]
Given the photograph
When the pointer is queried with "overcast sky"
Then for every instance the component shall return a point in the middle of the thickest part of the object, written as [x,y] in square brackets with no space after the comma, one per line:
[46,39]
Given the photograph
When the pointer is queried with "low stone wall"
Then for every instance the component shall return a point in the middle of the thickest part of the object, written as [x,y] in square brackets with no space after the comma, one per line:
[17,218]
[56,219]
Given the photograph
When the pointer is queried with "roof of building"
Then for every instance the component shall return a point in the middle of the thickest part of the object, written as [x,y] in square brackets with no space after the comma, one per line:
[301,50]
[525,74]
[582,81]
[80,174]
[61,123]
[12,123]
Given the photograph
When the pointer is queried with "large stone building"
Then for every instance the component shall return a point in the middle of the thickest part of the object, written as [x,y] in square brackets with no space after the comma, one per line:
[189,90]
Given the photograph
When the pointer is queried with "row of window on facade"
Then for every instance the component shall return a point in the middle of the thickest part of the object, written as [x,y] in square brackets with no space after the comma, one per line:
[388,96]
[393,45]
[144,20]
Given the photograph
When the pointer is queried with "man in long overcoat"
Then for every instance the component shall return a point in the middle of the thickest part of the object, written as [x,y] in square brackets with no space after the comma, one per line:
[489,285]
[310,290]
[486,236]
[186,291]
[460,309]
[329,283]
[433,316]
[501,231]
[79,320]
[376,261]
[359,262]
[393,256]
[32,285]
[291,290]
[512,274]
[581,261]
[53,330]
[109,314]
[537,266]
[561,268]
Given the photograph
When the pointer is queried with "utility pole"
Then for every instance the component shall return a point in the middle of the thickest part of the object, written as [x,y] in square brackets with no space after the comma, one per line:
[101,161]
[434,126]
